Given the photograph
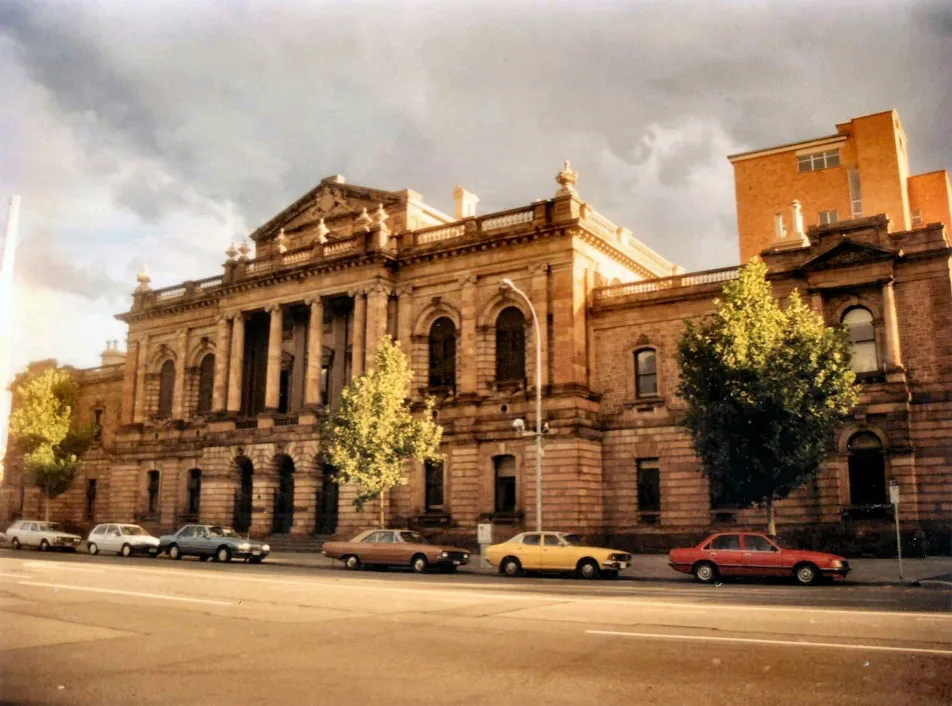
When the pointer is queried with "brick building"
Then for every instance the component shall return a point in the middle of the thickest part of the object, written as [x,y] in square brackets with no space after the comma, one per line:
[214,411]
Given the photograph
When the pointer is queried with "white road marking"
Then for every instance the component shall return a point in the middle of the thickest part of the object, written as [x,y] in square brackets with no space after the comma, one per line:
[14,576]
[61,565]
[787,643]
[136,594]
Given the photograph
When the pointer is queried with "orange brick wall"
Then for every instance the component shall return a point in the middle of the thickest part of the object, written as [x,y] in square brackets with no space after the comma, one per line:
[932,195]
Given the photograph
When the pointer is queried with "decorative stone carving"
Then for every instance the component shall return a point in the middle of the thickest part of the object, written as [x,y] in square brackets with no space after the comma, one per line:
[363,222]
[567,179]
[468,280]
[321,232]
[243,249]
[281,242]
[231,252]
[143,279]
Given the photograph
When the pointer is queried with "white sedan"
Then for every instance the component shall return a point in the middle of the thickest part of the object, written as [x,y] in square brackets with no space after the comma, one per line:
[122,539]
[43,535]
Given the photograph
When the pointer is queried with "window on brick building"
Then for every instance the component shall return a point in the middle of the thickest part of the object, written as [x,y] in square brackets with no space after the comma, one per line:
[166,388]
[510,345]
[194,491]
[856,193]
[442,364]
[505,470]
[827,217]
[153,492]
[98,413]
[206,383]
[867,470]
[90,498]
[818,160]
[646,373]
[859,325]
[916,214]
[434,485]
[649,489]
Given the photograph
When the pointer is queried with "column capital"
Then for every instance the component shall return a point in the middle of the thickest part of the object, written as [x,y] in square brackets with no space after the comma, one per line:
[236,315]
[312,300]
[356,292]
[272,308]
[468,280]
[222,319]
[183,333]
[539,268]
[379,288]
[404,290]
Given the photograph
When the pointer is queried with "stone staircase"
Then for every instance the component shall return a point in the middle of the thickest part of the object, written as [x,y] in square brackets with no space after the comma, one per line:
[294,543]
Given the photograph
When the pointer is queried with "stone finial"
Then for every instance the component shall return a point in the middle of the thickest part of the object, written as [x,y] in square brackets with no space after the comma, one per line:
[243,249]
[780,231]
[143,279]
[364,221]
[322,231]
[381,218]
[281,241]
[231,252]
[567,179]
[797,217]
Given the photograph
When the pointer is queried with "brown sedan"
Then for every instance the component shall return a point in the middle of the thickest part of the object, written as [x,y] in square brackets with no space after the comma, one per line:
[396,548]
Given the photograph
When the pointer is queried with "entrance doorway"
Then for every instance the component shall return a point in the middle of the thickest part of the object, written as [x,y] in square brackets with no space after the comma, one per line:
[327,502]
[284,497]
[243,497]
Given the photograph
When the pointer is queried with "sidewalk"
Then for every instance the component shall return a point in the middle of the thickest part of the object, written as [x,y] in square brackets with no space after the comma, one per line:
[933,571]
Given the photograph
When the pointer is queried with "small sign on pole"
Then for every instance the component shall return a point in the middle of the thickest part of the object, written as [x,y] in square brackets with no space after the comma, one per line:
[484,536]
[894,499]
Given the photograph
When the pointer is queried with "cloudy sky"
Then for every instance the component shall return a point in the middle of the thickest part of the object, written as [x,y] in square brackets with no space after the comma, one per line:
[158,132]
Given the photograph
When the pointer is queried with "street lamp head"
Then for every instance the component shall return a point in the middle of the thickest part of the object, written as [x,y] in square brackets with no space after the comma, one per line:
[507,284]
[518,425]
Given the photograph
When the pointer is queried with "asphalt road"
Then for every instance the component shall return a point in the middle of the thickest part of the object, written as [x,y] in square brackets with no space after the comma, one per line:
[105,630]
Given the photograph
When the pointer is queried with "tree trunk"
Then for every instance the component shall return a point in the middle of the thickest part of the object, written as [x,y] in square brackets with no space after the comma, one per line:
[771,519]
[383,498]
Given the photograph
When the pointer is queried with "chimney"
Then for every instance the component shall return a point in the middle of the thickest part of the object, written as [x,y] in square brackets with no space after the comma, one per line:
[465,202]
[112,355]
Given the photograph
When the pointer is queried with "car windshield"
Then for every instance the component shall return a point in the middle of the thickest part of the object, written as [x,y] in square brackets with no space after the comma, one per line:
[132,530]
[573,540]
[50,527]
[413,538]
[781,542]
[223,532]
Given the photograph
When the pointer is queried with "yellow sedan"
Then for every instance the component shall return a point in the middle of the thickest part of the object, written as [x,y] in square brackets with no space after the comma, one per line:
[555,552]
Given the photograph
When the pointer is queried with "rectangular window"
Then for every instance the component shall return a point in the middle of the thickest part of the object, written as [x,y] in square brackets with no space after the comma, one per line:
[818,160]
[153,492]
[649,485]
[194,491]
[916,214]
[646,373]
[97,425]
[856,192]
[90,498]
[434,485]
[505,467]
[827,217]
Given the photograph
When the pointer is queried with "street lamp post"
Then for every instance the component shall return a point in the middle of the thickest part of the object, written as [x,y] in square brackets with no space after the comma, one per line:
[507,283]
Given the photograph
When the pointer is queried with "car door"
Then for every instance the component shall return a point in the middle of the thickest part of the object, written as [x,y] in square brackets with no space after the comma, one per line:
[530,551]
[370,549]
[761,557]
[31,535]
[726,553]
[202,542]
[554,555]
[392,549]
[185,539]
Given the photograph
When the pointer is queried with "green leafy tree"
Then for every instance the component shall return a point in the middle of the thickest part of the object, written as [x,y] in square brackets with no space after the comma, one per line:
[374,432]
[43,433]
[766,387]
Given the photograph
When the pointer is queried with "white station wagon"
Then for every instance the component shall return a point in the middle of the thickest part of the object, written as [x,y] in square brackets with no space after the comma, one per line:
[44,535]
[122,539]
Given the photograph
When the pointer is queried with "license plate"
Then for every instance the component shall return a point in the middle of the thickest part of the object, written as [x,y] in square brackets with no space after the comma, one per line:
[456,563]
[255,551]
[623,565]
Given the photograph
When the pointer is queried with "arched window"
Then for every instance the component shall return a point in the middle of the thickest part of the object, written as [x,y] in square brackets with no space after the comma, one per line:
[505,468]
[859,324]
[206,383]
[442,353]
[510,345]
[646,373]
[867,467]
[166,387]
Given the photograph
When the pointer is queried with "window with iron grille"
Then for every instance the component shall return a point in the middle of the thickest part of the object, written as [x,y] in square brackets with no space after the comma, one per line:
[434,485]
[442,354]
[646,373]
[649,485]
[153,492]
[166,388]
[206,383]
[194,491]
[510,345]
[505,470]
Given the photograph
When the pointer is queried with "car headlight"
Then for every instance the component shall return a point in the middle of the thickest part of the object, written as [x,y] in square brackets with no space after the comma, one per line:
[244,547]
[837,564]
[466,556]
[443,555]
[266,548]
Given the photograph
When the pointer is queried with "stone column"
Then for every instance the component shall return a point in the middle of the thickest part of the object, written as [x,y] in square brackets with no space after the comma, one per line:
[540,300]
[222,350]
[143,347]
[129,381]
[360,325]
[236,362]
[468,374]
[272,390]
[315,352]
[376,321]
[178,393]
[306,481]
[891,325]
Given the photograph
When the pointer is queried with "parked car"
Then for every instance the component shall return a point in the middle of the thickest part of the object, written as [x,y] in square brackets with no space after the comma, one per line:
[755,554]
[212,541]
[122,539]
[555,552]
[388,547]
[44,535]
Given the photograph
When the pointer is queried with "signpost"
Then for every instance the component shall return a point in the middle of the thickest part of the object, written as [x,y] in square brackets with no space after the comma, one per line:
[484,536]
[894,499]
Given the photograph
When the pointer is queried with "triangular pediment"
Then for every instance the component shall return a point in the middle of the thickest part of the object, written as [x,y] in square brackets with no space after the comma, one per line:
[330,200]
[850,252]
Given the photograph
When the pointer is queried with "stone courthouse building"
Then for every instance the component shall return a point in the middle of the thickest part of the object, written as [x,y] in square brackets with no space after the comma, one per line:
[214,411]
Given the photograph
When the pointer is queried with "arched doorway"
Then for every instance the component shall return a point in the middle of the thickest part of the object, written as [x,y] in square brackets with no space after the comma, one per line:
[327,502]
[284,496]
[243,496]
[867,467]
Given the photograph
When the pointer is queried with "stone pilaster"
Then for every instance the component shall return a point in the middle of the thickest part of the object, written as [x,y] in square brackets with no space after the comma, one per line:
[141,361]
[377,298]
[468,376]
[236,362]
[306,481]
[272,390]
[315,354]
[129,381]
[360,326]
[540,300]
[178,394]
[222,351]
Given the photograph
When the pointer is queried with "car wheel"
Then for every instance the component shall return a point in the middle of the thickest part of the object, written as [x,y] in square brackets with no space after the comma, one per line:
[126,550]
[511,567]
[705,572]
[223,555]
[420,564]
[92,548]
[44,546]
[14,544]
[175,552]
[806,574]
[587,569]
[351,562]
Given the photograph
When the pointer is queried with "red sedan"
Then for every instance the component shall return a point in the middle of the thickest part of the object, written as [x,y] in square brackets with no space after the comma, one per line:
[754,554]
